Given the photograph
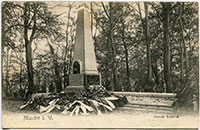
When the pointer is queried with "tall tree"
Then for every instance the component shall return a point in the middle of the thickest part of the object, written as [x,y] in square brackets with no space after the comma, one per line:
[58,79]
[166,48]
[147,35]
[10,28]
[124,12]
[92,18]
[67,43]
[182,42]
[7,71]
[128,88]
[147,38]
[187,21]
[28,41]
[110,16]
[37,22]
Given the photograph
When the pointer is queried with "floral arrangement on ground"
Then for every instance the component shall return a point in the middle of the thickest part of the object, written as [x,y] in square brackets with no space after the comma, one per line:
[92,100]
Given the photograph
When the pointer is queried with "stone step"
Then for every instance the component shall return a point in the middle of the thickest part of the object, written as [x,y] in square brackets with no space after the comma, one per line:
[145,110]
[153,108]
[148,107]
[146,94]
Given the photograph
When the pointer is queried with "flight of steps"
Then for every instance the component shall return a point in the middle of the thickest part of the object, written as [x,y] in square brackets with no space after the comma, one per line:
[148,102]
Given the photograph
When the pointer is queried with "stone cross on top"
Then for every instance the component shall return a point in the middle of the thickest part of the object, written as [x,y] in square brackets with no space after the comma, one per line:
[84,65]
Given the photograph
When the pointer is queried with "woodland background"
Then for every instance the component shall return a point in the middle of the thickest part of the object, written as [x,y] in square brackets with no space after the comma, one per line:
[140,47]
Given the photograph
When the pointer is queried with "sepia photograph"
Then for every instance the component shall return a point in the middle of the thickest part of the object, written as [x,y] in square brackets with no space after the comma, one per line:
[109,64]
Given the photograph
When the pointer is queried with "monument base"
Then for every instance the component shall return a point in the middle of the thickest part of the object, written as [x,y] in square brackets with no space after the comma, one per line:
[74,89]
[84,79]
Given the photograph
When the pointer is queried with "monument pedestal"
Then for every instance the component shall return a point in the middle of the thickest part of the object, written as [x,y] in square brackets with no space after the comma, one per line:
[85,73]
[80,81]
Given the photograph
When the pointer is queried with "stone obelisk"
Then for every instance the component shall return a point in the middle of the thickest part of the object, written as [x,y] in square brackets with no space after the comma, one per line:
[84,65]
[84,47]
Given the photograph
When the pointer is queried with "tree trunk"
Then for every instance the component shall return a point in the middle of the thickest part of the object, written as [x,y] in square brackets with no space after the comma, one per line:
[147,39]
[166,59]
[29,66]
[181,44]
[70,60]
[28,53]
[2,45]
[91,8]
[128,88]
[114,85]
[190,46]
[66,46]
[155,71]
[183,38]
[7,72]
[20,70]
[186,57]
[58,79]
[147,36]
